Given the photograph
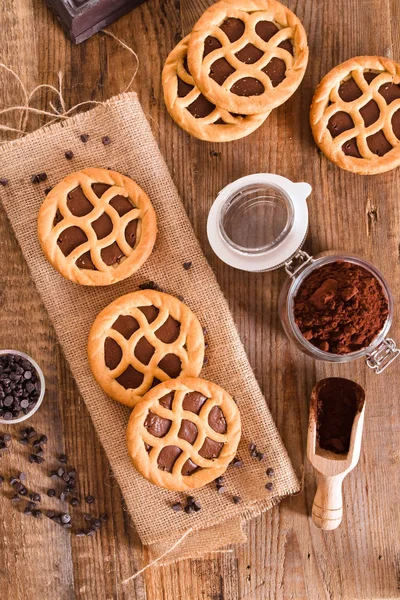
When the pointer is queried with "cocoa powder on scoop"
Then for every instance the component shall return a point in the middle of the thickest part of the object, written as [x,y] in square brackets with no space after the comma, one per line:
[340,308]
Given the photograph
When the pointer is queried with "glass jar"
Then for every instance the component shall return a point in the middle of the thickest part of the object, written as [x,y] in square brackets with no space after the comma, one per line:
[259,223]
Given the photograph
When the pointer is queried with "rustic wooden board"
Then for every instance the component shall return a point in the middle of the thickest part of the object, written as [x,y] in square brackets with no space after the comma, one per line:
[286,556]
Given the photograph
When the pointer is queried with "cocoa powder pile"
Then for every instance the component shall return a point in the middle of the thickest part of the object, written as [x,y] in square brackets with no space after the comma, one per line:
[340,308]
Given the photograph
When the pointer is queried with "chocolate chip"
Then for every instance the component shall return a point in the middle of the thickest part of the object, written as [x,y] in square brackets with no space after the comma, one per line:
[196,505]
[260,455]
[21,489]
[48,190]
[189,509]
[237,462]
[43,439]
[96,523]
[269,486]
[39,177]
[60,472]
[205,361]
[87,517]
[219,480]
[37,514]
[106,140]
[236,499]
[89,499]
[63,496]
[51,514]
[65,518]
[74,502]
[51,493]
[15,498]
[187,265]
[149,285]
[69,155]
[221,489]
[13,480]
[84,137]
[91,531]
[27,510]
[252,446]
[104,517]
[3,181]
[177,507]
[80,532]
[270,472]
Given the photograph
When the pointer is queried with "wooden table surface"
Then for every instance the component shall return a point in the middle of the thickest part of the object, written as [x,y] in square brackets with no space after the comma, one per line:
[285,556]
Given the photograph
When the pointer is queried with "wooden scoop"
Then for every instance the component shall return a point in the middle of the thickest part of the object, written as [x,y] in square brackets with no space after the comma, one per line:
[332,466]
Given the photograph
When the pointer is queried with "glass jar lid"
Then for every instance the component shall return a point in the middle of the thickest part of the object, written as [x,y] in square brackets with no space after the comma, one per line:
[259,222]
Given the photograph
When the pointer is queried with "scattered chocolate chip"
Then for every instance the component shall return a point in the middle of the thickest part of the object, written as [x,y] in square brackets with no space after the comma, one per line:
[84,137]
[43,439]
[104,517]
[205,332]
[260,455]
[27,510]
[89,499]
[62,459]
[74,502]
[219,480]
[48,190]
[13,480]
[23,441]
[196,505]
[269,486]
[51,493]
[69,155]
[236,499]
[149,285]
[21,489]
[189,509]
[37,513]
[67,525]
[177,507]
[80,532]
[38,177]
[91,531]
[31,505]
[221,489]
[106,140]
[205,361]
[190,499]
[35,497]
[270,472]
[96,523]
[63,496]
[65,518]
[3,181]
[60,472]
[187,265]
[87,517]
[51,514]
[252,446]
[237,462]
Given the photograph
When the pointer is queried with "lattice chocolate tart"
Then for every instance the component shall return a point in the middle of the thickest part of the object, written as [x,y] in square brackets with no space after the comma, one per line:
[248,56]
[355,115]
[142,339]
[184,433]
[194,112]
[97,227]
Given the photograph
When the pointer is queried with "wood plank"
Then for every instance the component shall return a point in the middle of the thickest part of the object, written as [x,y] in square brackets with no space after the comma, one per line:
[285,557]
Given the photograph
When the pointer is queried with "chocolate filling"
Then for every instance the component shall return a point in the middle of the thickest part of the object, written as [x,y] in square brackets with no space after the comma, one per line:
[349,90]
[78,204]
[71,238]
[166,401]
[144,351]
[369,76]
[167,457]
[396,124]
[130,378]
[193,401]
[184,88]
[100,188]
[216,420]
[58,218]
[188,431]
[102,226]
[130,233]
[220,70]
[210,44]
[378,143]
[339,122]
[266,30]
[248,86]
[211,448]
[112,353]
[156,425]
[85,261]
[370,113]
[275,69]
[233,28]
[287,45]
[147,447]
[169,331]
[189,467]
[220,122]
[201,107]
[126,325]
[350,148]
[155,382]
[390,91]
[250,54]
[121,204]
[112,254]
[171,365]
[150,312]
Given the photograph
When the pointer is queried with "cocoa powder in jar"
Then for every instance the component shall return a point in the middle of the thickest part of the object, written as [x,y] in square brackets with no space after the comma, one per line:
[340,307]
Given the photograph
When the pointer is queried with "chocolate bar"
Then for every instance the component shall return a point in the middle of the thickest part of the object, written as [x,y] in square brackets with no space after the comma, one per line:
[83,18]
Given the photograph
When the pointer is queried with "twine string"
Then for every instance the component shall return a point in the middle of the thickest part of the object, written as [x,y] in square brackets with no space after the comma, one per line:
[57,109]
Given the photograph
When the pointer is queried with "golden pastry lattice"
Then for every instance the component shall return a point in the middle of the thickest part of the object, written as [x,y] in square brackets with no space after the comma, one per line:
[250,12]
[50,227]
[145,460]
[219,125]
[327,102]
[188,346]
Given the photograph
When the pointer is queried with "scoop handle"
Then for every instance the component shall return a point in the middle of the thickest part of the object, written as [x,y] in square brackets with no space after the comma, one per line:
[327,510]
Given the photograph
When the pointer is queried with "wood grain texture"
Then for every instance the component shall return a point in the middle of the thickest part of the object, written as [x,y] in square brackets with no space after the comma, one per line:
[286,557]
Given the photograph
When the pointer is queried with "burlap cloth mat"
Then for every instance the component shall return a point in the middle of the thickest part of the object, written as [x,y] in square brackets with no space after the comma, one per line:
[72,309]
